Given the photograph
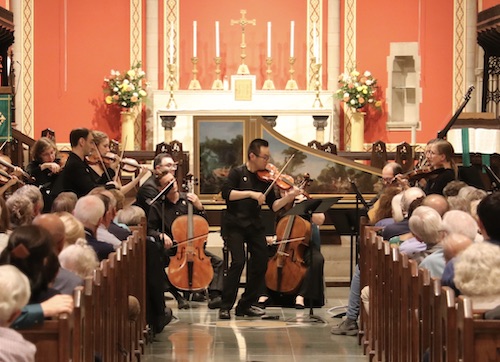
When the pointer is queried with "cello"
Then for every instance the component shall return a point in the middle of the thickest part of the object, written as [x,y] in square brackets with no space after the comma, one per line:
[286,269]
[190,268]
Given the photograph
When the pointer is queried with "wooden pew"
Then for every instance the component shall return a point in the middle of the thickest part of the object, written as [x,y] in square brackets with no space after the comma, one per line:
[52,339]
[478,339]
[424,311]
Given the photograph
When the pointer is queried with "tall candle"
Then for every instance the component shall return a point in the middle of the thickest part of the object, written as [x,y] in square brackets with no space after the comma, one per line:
[194,38]
[217,44]
[315,42]
[269,39]
[171,51]
[292,29]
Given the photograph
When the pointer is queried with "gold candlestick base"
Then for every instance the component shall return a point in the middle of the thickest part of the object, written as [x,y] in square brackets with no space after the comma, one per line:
[217,84]
[317,83]
[269,84]
[291,84]
[243,69]
[194,84]
[171,83]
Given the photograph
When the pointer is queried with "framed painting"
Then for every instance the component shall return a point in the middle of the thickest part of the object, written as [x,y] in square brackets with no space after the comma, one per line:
[219,146]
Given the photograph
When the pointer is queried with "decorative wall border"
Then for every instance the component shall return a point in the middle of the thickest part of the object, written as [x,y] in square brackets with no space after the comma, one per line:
[314,15]
[171,14]
[459,51]
[136,56]
[27,60]
[349,52]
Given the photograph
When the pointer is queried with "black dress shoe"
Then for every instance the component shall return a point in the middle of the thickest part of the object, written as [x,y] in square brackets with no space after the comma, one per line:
[251,311]
[162,321]
[224,314]
[215,302]
[299,306]
[198,297]
[182,303]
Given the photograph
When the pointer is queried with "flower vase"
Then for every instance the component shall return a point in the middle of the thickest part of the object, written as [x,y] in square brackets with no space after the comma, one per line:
[357,130]
[127,119]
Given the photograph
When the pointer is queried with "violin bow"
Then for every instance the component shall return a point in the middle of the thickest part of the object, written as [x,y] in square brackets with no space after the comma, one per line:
[279,174]
[121,158]
[102,163]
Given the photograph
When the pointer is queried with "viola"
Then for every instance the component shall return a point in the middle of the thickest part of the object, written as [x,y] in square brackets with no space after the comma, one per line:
[286,269]
[190,268]
[423,172]
[271,174]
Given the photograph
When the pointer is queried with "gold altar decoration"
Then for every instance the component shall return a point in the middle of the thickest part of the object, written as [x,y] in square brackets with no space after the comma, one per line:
[243,68]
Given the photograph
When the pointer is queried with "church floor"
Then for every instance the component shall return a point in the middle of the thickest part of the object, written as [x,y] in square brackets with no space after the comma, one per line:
[197,334]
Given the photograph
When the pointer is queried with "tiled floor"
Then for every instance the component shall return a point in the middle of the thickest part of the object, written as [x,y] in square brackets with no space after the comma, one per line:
[198,335]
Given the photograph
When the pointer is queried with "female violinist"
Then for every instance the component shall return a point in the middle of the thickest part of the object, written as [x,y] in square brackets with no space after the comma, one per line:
[44,168]
[311,286]
[442,169]
[101,164]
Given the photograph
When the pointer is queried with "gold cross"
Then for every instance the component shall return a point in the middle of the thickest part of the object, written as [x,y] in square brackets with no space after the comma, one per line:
[2,118]
[243,21]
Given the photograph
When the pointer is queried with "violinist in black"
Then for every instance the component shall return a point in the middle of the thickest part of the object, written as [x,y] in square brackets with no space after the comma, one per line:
[161,216]
[244,193]
[442,167]
[44,168]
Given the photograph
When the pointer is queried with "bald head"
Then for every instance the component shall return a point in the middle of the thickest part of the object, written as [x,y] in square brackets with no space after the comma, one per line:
[453,244]
[437,202]
[53,224]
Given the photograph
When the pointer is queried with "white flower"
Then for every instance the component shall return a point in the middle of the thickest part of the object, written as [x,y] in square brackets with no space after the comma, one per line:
[353,101]
[367,73]
[369,82]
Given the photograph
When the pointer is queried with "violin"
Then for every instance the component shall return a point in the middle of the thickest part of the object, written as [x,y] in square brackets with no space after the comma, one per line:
[190,268]
[423,172]
[127,164]
[286,269]
[8,165]
[271,174]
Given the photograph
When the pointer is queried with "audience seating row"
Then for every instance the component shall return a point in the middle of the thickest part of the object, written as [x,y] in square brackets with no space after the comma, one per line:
[103,325]
[410,315]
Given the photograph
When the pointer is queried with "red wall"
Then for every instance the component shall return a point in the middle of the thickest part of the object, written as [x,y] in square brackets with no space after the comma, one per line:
[278,12]
[490,3]
[68,75]
[382,22]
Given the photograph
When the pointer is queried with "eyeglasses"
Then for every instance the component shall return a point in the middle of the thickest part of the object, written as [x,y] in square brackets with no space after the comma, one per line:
[265,158]
[172,166]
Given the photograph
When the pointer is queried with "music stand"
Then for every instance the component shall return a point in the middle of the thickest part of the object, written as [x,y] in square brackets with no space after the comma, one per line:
[309,207]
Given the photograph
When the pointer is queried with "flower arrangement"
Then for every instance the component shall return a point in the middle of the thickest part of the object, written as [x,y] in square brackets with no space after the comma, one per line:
[125,89]
[357,90]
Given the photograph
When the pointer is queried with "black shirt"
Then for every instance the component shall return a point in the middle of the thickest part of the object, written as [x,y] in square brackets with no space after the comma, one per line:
[437,184]
[244,212]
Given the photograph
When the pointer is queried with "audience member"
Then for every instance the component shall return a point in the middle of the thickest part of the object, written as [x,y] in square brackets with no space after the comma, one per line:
[401,227]
[14,294]
[33,193]
[73,228]
[79,258]
[65,201]
[453,187]
[20,210]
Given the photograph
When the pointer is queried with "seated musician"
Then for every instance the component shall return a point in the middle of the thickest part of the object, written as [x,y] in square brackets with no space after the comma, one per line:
[312,285]
[442,169]
[162,214]
[101,160]
[44,167]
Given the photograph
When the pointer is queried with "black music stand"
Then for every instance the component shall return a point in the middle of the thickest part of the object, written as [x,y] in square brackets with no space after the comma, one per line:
[309,207]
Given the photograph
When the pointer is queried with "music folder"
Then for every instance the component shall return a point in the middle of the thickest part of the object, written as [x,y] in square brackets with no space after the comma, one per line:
[311,206]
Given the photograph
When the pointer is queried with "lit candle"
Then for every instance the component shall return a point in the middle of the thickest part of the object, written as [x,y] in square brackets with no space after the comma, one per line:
[194,38]
[217,44]
[269,39]
[292,29]
[171,42]
[315,42]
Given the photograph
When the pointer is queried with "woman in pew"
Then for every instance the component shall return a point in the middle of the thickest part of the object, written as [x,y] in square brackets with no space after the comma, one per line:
[14,294]
[79,258]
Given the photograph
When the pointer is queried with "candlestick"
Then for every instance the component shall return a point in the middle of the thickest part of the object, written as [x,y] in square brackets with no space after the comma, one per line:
[316,67]
[217,84]
[217,44]
[171,83]
[194,84]
[269,84]
[194,38]
[292,29]
[269,39]
[291,84]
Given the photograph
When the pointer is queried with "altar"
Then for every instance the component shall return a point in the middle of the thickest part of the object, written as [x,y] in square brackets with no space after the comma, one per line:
[294,114]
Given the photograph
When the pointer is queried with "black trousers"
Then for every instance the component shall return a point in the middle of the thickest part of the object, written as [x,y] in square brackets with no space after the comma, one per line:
[155,282]
[235,238]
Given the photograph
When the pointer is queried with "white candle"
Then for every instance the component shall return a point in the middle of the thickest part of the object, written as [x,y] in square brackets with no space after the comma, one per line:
[315,42]
[292,29]
[171,42]
[194,38]
[269,39]
[217,44]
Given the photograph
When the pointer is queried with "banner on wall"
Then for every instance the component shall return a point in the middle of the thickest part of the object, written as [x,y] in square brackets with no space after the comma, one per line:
[5,118]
